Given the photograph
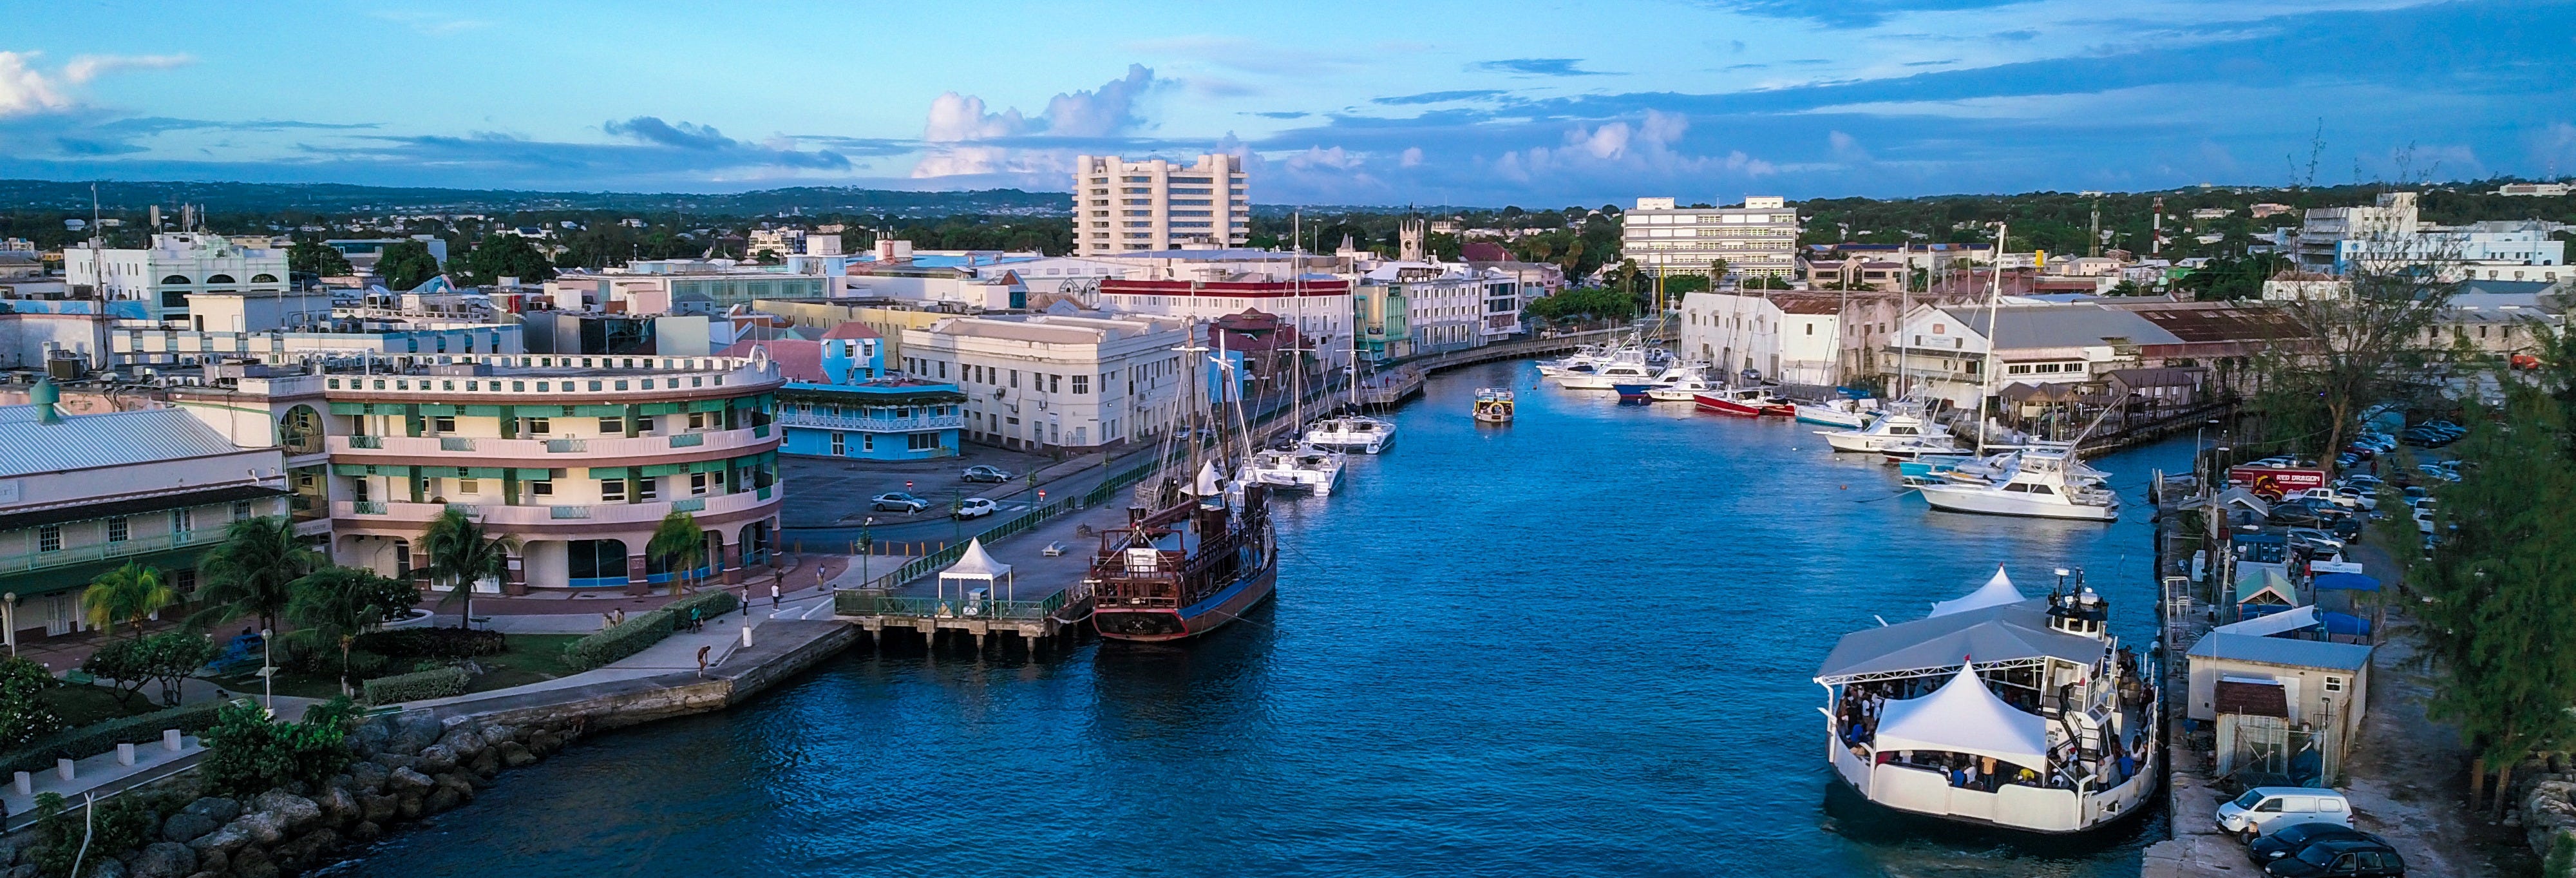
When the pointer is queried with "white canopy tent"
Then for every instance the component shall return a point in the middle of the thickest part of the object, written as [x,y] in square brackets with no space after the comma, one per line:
[1995,593]
[972,566]
[1963,716]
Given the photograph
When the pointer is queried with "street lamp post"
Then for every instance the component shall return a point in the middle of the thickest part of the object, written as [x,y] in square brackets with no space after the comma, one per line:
[267,672]
[867,548]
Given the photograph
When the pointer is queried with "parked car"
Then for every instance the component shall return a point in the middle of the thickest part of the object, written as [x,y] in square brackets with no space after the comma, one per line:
[2315,537]
[976,507]
[2366,500]
[2289,840]
[897,501]
[2356,857]
[2262,809]
[986,473]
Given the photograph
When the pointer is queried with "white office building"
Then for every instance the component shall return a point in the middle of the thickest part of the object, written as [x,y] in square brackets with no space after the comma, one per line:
[1756,239]
[1056,381]
[176,266]
[1791,338]
[1155,204]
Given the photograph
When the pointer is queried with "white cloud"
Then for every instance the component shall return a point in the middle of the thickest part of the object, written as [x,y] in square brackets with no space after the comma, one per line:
[88,67]
[429,25]
[1412,157]
[23,90]
[1846,147]
[960,130]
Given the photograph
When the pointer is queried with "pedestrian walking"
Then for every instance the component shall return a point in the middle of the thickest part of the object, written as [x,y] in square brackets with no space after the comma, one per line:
[773,594]
[702,660]
[621,615]
[698,622]
[607,621]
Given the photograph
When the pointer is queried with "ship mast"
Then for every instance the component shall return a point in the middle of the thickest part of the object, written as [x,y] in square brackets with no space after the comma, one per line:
[1994,297]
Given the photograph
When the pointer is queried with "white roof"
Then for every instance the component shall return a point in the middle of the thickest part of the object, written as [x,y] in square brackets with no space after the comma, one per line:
[1995,593]
[2273,623]
[976,563]
[1963,716]
[89,441]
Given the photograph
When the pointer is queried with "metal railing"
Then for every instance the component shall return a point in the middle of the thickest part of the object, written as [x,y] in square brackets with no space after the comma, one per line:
[455,443]
[366,442]
[862,603]
[567,446]
[29,561]
[685,440]
[692,504]
[368,507]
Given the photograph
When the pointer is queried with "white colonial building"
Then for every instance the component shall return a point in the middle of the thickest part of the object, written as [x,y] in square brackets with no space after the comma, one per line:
[177,265]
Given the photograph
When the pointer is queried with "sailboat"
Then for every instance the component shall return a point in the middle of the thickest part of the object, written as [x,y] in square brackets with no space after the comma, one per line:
[1189,559]
[1304,464]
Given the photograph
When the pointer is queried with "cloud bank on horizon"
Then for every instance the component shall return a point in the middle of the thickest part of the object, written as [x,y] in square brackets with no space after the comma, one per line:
[1433,103]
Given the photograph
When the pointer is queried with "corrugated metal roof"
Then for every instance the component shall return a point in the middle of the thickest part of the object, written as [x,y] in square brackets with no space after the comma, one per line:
[2062,326]
[104,439]
[2282,651]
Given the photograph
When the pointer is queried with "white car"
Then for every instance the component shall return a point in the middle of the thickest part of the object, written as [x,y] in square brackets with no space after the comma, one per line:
[2263,809]
[2326,494]
[976,507]
[2353,496]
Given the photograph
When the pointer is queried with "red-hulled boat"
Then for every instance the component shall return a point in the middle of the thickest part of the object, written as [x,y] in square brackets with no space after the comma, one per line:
[1745,402]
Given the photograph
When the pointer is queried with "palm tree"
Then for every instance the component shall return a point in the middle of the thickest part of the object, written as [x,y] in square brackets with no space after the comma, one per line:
[247,574]
[461,555]
[130,593]
[336,604]
[680,545]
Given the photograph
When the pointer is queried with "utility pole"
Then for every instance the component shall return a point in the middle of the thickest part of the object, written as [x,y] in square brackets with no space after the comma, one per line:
[2156,238]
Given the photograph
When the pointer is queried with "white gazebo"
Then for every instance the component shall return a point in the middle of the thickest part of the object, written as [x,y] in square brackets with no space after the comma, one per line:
[975,565]
[1995,593]
[1963,716]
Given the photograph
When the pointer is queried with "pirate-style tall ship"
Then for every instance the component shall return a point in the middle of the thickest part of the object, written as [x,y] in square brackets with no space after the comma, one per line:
[1190,558]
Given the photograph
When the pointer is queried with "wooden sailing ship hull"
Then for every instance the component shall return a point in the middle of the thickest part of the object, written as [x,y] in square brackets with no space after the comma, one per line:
[1166,624]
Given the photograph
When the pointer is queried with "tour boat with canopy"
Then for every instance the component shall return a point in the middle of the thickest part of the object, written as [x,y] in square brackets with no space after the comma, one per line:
[1996,710]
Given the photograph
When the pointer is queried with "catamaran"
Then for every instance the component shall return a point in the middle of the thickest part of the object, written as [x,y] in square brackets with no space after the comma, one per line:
[1300,464]
[1998,711]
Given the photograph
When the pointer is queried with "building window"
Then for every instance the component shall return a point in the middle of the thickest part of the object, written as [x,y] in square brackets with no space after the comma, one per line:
[469,486]
[182,521]
[647,489]
[541,488]
[697,484]
[1015,379]
[49,538]
[1081,384]
[119,529]
[612,426]
[442,424]
[540,426]
[922,441]
[612,490]
[643,423]
[867,441]
[241,510]
[697,420]
[840,444]
[2334,684]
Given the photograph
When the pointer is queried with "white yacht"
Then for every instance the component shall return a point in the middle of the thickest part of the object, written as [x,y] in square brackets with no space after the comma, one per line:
[1901,429]
[1359,433]
[1609,375]
[1684,390]
[1849,414]
[1305,466]
[1996,467]
[2036,487]
[1997,711]
[1585,358]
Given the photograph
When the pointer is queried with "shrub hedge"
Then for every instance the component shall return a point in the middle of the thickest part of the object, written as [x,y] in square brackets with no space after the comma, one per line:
[101,737]
[624,640]
[712,603]
[434,683]
[433,643]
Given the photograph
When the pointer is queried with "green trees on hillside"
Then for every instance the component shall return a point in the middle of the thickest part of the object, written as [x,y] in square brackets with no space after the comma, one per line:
[406,264]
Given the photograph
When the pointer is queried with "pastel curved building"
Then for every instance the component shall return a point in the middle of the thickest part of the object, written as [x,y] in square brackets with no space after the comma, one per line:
[577,457]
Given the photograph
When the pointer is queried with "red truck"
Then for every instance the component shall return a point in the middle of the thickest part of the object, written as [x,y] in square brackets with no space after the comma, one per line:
[2274,482]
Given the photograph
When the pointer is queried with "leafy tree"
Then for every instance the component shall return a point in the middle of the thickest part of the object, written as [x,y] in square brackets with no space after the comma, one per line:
[248,753]
[461,554]
[2499,627]
[406,264]
[164,658]
[2228,278]
[2358,348]
[23,714]
[314,257]
[250,572]
[500,256]
[336,604]
[131,594]
[680,545]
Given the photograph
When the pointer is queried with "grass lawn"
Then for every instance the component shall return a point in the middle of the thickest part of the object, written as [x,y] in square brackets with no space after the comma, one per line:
[80,705]
[529,659]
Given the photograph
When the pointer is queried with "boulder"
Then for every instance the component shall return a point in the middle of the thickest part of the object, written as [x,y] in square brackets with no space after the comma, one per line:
[390,761]
[542,742]
[213,861]
[408,808]
[515,754]
[254,863]
[496,733]
[222,809]
[371,736]
[339,808]
[224,840]
[463,783]
[165,860]
[440,800]
[406,782]
[184,827]
[262,827]
[307,851]
[365,831]
[485,763]
[109,867]
[8,855]
[377,809]
[368,776]
[413,731]
[463,741]
[436,758]
[22,870]
[293,812]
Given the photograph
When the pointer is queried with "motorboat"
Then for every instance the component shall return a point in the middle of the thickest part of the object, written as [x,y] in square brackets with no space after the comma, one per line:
[1314,469]
[1585,358]
[1845,413]
[1494,405]
[2036,487]
[1610,375]
[1903,430]
[1745,402]
[1990,468]
[1997,711]
[1670,377]
[1348,433]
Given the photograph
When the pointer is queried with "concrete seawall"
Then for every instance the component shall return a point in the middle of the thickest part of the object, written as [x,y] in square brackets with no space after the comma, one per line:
[781,649]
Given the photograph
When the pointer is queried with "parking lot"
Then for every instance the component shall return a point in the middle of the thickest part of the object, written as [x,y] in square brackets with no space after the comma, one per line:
[822,491]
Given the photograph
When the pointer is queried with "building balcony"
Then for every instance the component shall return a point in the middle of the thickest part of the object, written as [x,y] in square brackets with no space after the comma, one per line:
[30,562]
[550,452]
[914,424]
[506,516]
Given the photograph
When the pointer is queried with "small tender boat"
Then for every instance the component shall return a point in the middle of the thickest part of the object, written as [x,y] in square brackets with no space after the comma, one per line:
[1844,413]
[1745,402]
[1493,405]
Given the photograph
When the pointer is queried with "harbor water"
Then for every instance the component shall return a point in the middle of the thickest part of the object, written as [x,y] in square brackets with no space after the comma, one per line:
[1579,644]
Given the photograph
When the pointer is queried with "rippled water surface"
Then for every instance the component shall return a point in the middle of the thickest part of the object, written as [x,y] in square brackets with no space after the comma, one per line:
[1578,644]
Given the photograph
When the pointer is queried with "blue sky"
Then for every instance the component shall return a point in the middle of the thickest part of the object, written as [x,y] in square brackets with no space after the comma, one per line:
[1331,102]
